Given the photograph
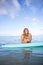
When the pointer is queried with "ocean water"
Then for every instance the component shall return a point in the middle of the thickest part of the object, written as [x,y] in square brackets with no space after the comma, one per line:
[20,56]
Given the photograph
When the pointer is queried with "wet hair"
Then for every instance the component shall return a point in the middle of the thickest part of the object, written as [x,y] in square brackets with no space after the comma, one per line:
[26,29]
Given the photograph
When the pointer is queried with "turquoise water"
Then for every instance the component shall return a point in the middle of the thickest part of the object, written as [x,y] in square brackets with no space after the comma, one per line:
[20,56]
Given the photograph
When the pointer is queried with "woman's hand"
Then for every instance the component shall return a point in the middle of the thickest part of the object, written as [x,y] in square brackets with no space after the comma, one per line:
[27,40]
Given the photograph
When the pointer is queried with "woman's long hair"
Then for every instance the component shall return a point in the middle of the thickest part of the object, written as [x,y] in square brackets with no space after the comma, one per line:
[24,31]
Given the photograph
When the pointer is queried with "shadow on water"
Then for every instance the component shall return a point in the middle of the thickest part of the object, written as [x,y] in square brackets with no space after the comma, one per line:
[21,57]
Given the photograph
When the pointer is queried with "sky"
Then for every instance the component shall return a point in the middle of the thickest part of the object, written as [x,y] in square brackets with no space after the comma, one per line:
[15,15]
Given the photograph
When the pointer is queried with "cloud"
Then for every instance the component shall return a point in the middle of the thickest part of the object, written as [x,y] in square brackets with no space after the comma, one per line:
[35,23]
[34,5]
[35,20]
[27,2]
[3,11]
[1,1]
[9,9]
[16,4]
[13,7]
[36,27]
[33,9]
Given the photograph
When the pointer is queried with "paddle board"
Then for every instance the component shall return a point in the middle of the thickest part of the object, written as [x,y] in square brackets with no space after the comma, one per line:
[20,45]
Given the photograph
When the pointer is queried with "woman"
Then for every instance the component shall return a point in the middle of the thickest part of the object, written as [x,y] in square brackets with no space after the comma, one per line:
[26,36]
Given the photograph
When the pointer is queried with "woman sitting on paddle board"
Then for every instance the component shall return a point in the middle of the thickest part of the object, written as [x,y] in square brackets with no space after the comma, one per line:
[26,36]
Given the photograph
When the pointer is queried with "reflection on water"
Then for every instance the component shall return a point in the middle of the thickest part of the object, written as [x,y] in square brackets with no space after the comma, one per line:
[27,53]
[21,57]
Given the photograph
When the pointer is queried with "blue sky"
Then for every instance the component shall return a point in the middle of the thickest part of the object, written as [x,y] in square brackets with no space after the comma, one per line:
[15,15]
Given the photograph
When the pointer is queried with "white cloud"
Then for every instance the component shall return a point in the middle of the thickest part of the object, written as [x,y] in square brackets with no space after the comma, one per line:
[8,9]
[1,1]
[35,20]
[3,11]
[16,4]
[34,24]
[36,27]
[12,15]
[27,2]
[33,9]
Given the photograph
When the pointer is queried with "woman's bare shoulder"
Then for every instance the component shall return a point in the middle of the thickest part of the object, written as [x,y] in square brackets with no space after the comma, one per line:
[22,35]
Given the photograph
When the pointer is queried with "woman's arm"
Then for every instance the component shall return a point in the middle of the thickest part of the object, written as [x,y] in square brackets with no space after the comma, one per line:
[23,40]
[30,37]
